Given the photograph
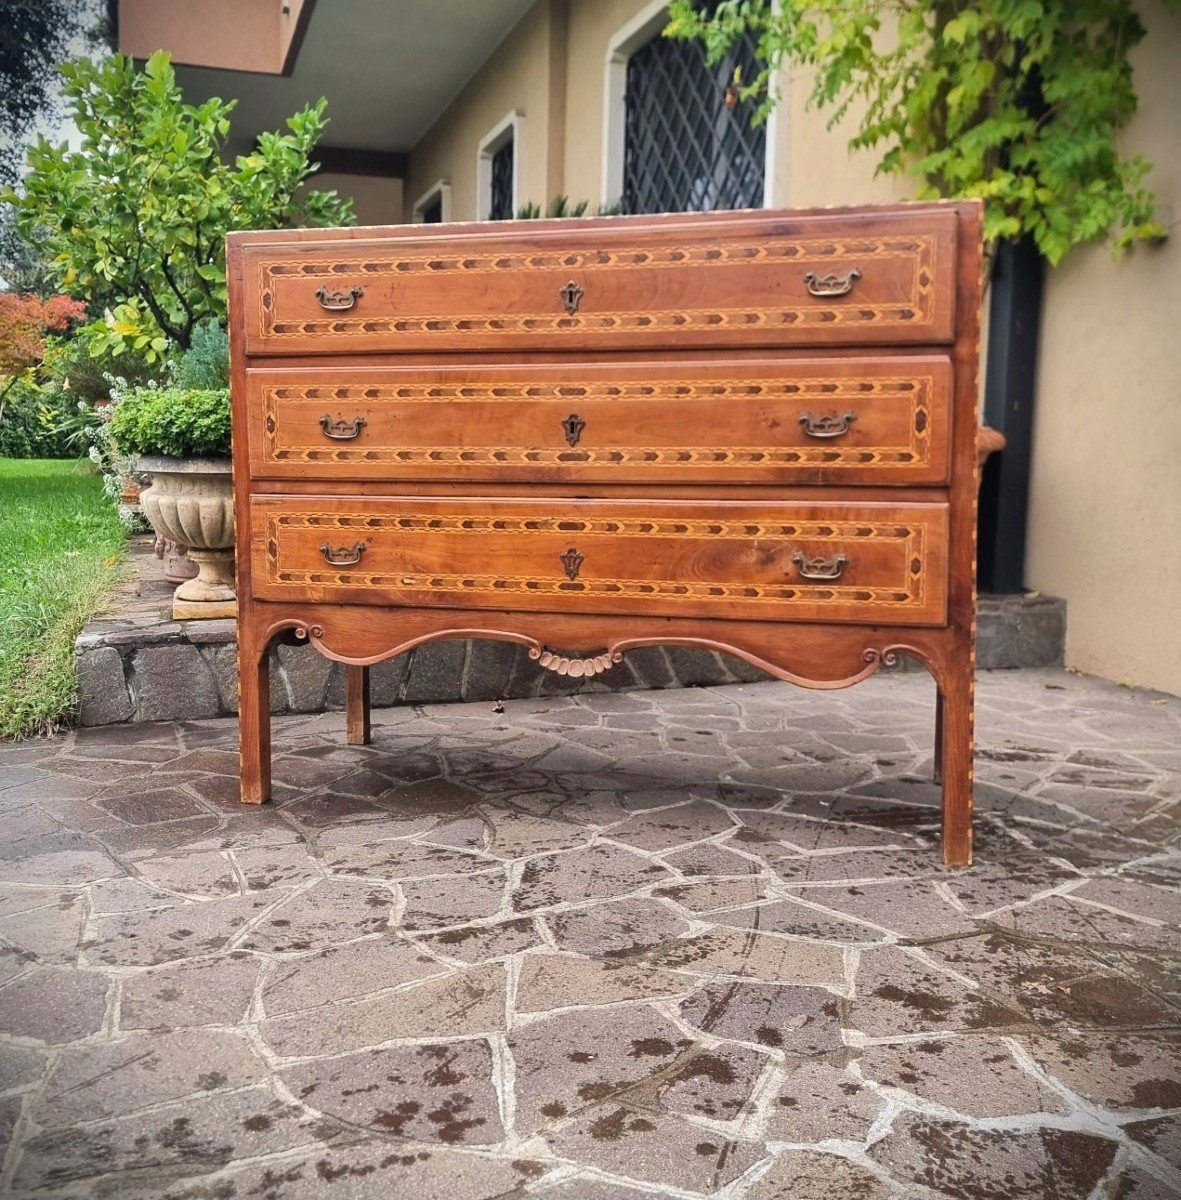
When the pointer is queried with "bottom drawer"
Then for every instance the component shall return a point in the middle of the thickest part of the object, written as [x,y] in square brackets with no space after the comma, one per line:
[871,563]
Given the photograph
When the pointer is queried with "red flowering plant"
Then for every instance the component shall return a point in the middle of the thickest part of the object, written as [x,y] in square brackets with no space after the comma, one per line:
[24,323]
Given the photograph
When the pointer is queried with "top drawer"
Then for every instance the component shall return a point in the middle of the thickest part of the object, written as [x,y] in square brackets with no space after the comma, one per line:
[714,280]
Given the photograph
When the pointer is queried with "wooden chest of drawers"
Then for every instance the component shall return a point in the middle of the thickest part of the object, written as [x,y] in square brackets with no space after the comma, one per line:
[753,432]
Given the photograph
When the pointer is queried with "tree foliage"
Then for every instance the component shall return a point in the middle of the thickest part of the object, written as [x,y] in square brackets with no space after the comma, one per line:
[28,427]
[136,221]
[1018,102]
[34,35]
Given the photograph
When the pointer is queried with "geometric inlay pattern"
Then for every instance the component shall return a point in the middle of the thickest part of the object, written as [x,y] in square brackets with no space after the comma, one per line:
[907,589]
[912,389]
[823,254]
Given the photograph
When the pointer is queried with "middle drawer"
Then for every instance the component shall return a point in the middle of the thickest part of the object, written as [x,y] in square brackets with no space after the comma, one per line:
[872,419]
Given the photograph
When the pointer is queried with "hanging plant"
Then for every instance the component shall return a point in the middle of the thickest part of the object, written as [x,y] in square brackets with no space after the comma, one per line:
[1017,102]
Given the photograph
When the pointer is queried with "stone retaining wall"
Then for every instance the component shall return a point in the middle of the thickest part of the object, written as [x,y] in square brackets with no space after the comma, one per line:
[135,664]
[190,670]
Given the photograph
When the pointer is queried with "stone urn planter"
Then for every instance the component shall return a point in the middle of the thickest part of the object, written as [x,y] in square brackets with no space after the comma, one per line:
[191,501]
[175,558]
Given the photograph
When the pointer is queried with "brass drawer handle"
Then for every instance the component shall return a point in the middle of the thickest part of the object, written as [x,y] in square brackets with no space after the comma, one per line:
[571,296]
[343,556]
[342,430]
[339,301]
[831,285]
[820,569]
[828,426]
[572,563]
[573,426]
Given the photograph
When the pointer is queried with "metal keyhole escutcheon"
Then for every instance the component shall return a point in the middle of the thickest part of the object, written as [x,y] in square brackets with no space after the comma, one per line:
[573,425]
[571,296]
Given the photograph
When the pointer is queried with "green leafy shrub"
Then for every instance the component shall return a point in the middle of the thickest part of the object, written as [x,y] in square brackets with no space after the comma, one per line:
[72,373]
[177,422]
[29,425]
[206,363]
[561,207]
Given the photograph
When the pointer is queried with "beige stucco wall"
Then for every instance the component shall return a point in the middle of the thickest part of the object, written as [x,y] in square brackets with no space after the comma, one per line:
[1105,517]
[515,78]
[377,200]
[591,26]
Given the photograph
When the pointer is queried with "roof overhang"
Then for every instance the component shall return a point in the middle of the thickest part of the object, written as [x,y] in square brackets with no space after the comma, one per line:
[258,37]
[389,68]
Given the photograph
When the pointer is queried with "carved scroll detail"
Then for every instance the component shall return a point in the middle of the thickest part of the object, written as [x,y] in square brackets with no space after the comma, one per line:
[303,632]
[576,668]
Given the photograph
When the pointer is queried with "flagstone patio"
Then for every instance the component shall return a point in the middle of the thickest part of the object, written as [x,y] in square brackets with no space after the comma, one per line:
[675,944]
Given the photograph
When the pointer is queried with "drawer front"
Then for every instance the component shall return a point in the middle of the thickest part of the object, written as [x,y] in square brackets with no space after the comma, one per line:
[760,280]
[872,563]
[872,421]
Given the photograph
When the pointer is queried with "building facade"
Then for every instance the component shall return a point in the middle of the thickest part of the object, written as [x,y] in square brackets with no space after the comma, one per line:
[460,110]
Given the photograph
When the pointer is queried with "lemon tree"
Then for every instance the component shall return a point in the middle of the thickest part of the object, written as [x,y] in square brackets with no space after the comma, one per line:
[135,221]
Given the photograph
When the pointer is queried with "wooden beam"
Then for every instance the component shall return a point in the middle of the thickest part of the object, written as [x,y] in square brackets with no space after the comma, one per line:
[346,160]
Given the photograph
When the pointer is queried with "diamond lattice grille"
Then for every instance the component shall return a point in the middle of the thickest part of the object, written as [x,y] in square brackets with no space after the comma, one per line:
[502,183]
[684,150]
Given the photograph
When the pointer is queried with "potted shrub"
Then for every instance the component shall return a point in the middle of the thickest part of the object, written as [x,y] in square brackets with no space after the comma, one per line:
[182,436]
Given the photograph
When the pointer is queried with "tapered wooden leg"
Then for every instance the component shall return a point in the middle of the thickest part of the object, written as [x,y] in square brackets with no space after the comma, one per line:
[254,717]
[937,762]
[356,705]
[956,698]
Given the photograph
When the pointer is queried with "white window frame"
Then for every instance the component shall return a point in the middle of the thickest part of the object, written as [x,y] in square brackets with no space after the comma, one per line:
[440,190]
[626,40]
[510,127]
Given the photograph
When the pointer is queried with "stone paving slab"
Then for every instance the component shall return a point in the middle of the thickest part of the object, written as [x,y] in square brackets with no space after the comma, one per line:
[679,944]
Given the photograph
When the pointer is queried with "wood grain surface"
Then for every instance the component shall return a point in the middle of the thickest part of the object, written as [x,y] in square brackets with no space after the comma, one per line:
[692,558]
[642,283]
[856,420]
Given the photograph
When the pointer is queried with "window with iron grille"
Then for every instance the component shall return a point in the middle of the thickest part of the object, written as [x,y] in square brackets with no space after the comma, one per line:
[432,212]
[502,182]
[686,148]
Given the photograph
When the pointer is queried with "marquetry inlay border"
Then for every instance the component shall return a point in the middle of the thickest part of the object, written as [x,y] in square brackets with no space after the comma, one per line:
[282,444]
[826,254]
[913,538]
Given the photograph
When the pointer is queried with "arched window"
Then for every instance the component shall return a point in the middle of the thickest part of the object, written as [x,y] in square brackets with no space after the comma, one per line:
[434,205]
[496,170]
[688,144]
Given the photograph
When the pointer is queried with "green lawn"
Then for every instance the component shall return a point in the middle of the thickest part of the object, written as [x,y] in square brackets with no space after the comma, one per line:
[61,552]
